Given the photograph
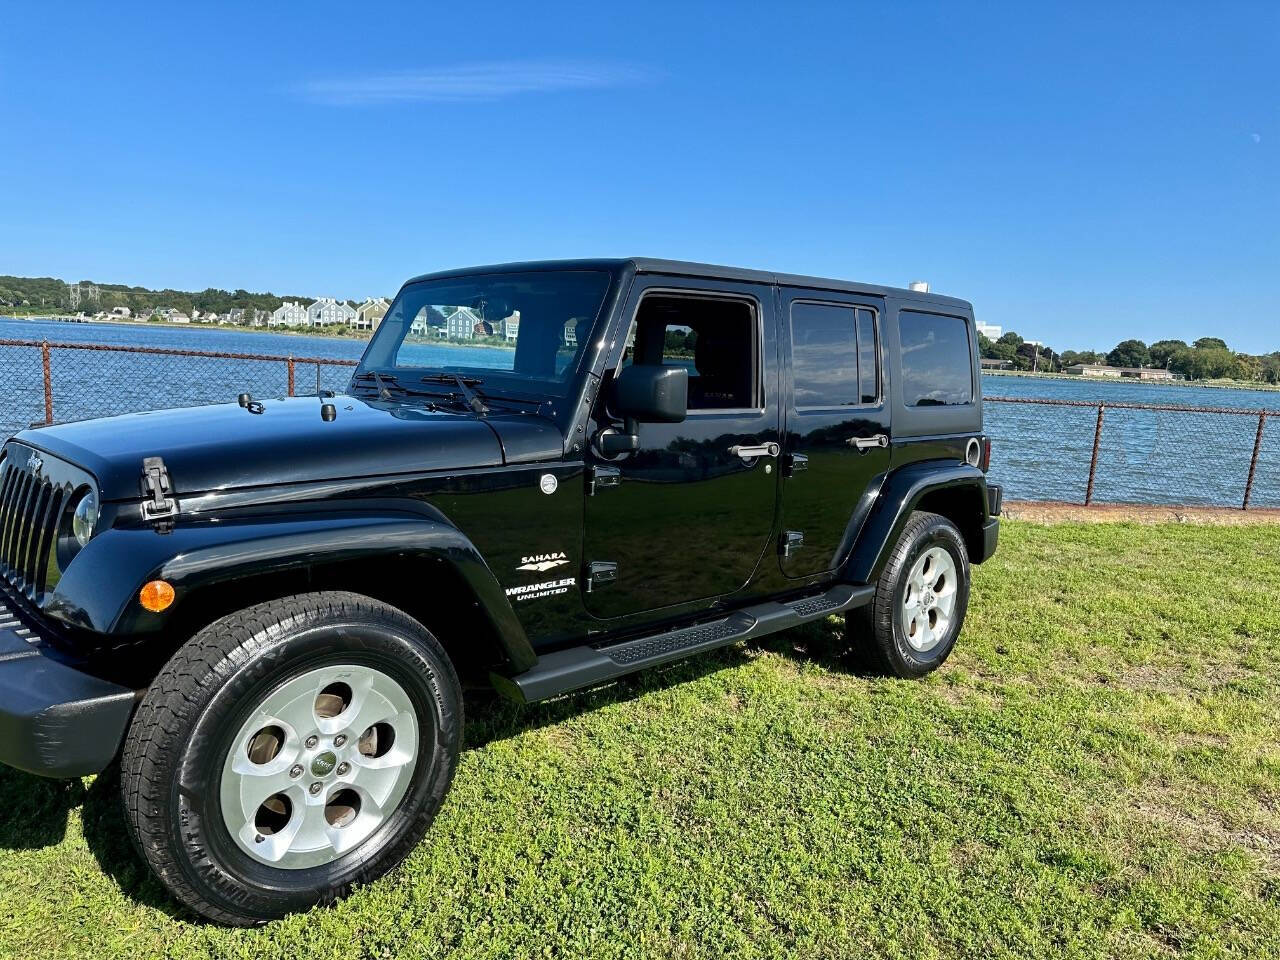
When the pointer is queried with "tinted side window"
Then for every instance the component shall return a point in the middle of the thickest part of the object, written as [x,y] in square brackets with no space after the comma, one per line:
[868,357]
[824,354]
[713,338]
[835,360]
[937,369]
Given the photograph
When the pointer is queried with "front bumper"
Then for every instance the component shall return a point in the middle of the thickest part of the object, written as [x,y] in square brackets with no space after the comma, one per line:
[54,720]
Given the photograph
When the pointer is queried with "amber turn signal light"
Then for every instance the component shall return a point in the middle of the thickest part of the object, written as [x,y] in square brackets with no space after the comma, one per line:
[156,596]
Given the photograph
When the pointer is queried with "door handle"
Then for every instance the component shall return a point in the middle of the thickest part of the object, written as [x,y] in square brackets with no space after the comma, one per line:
[869,443]
[756,450]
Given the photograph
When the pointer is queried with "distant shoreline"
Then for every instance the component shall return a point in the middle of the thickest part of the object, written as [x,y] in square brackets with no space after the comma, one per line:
[69,319]
[356,336]
[1208,384]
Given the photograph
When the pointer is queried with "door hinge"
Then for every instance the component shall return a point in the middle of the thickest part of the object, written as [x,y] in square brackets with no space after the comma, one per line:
[601,478]
[794,463]
[601,571]
[790,542]
[158,502]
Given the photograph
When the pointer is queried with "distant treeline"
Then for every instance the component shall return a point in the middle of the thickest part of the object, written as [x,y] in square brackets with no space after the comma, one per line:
[45,294]
[1209,358]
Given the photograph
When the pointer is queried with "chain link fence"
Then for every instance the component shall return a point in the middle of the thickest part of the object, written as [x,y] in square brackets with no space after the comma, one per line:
[43,382]
[1045,449]
[1100,452]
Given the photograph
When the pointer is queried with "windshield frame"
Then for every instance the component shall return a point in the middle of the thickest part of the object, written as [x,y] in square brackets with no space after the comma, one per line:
[558,393]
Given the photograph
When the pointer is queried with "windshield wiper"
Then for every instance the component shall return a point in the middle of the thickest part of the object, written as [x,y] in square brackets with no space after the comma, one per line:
[383,392]
[382,381]
[464,387]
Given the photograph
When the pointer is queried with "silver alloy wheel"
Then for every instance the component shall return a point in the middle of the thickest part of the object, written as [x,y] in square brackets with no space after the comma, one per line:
[929,603]
[321,763]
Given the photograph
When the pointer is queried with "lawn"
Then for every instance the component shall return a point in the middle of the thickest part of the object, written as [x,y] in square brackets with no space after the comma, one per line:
[1094,773]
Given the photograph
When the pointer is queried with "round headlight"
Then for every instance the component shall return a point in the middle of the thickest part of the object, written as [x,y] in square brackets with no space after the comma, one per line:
[84,518]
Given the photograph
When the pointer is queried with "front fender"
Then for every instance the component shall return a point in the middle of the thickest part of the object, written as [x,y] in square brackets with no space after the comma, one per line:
[900,495]
[99,591]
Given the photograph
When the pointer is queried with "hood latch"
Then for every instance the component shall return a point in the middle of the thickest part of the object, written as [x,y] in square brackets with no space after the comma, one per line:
[158,503]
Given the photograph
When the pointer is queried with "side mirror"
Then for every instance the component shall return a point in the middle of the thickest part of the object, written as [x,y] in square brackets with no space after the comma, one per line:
[652,393]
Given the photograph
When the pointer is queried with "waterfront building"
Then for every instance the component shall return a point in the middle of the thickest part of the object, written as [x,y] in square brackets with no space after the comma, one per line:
[370,313]
[327,311]
[1105,370]
[288,314]
[461,324]
[511,326]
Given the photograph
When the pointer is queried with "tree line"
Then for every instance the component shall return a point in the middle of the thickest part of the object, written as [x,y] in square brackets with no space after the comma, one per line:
[1208,358]
[49,295]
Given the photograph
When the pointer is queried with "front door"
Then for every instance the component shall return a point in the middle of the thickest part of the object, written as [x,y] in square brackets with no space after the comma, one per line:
[689,515]
[837,425]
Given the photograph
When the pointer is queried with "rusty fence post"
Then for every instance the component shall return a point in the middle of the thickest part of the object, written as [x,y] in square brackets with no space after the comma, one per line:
[291,375]
[48,381]
[1093,463]
[1253,461]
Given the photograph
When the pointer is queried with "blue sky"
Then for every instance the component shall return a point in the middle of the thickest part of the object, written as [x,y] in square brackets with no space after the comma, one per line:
[1082,175]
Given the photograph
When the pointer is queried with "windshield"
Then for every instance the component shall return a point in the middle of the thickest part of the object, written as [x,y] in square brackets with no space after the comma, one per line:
[522,333]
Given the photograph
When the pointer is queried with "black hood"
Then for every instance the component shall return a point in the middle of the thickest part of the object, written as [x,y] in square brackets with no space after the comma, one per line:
[224,446]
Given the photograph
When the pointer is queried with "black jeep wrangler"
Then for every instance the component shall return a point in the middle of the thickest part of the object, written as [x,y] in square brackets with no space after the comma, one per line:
[541,477]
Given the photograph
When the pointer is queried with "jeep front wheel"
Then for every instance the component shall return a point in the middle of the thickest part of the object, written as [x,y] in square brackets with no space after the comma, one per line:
[911,626]
[290,751]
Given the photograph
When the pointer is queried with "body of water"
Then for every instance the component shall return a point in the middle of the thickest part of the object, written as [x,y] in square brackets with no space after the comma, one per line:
[1144,456]
[1040,452]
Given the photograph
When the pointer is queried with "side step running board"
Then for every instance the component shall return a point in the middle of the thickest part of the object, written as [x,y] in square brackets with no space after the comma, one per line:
[578,667]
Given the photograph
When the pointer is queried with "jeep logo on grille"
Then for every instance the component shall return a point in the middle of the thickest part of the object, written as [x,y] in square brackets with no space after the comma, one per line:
[34,463]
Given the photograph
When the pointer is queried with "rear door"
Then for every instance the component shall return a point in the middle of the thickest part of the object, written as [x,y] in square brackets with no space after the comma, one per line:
[836,438]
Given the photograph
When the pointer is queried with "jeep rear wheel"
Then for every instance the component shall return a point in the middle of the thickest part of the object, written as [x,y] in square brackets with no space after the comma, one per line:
[910,627]
[290,751]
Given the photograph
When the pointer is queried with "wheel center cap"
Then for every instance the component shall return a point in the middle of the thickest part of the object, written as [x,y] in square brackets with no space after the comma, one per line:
[322,764]
[928,597]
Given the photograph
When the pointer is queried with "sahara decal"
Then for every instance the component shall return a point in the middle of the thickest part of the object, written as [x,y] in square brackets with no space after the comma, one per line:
[536,591]
[542,562]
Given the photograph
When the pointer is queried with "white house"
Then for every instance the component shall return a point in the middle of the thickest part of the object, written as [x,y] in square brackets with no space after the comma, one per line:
[461,324]
[121,312]
[288,314]
[510,327]
[370,313]
[327,311]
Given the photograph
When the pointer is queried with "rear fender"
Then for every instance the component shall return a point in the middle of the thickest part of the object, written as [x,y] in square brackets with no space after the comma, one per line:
[914,487]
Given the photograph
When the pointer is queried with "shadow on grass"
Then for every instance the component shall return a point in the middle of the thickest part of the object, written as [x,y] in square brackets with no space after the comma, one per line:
[37,810]
[491,719]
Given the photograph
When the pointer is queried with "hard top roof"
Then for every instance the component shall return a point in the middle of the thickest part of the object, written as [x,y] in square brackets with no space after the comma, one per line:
[685,268]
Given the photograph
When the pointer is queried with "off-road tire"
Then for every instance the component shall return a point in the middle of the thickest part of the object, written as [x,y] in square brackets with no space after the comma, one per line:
[173,755]
[875,637]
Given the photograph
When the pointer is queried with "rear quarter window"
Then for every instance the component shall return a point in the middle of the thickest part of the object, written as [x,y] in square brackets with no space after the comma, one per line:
[937,365]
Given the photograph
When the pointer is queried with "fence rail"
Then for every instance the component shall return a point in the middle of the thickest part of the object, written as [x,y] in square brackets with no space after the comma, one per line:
[1142,452]
[1046,449]
[129,378]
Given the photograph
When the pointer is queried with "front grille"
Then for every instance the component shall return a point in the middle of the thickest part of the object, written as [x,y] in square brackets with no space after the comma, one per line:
[11,621]
[31,506]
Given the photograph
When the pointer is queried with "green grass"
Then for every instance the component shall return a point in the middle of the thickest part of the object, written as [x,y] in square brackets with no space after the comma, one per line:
[1094,773]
